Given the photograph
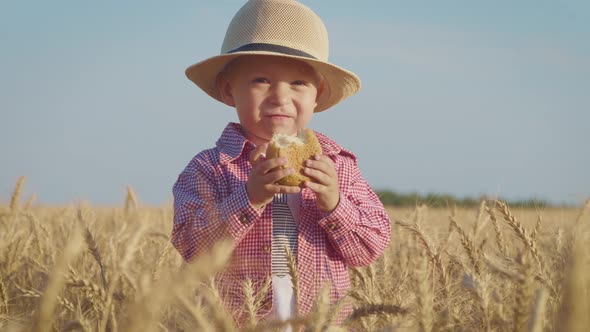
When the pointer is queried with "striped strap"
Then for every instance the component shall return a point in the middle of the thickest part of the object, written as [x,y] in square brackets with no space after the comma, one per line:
[284,233]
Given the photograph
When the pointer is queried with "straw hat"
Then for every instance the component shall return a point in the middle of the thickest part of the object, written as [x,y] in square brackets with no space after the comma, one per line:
[284,28]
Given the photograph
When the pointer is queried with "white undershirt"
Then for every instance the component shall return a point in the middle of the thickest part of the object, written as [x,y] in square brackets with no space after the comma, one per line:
[282,286]
[283,300]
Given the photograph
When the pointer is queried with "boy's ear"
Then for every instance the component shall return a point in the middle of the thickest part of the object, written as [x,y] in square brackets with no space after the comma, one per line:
[320,91]
[225,91]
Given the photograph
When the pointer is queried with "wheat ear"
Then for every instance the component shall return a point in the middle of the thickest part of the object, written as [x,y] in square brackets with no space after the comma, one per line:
[499,236]
[93,248]
[467,245]
[93,292]
[520,231]
[375,309]
[33,293]
[30,202]
[249,302]
[14,199]
[130,200]
[479,223]
[537,228]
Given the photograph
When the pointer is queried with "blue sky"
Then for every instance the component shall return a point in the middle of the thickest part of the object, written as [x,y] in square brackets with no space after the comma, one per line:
[460,97]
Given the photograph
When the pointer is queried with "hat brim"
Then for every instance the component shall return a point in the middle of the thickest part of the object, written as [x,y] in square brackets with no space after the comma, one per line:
[339,82]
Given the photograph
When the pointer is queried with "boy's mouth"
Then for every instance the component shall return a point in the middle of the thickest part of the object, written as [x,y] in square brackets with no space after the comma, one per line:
[278,117]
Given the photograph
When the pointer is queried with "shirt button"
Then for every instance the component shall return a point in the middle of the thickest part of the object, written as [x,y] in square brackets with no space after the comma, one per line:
[333,226]
[244,219]
[266,249]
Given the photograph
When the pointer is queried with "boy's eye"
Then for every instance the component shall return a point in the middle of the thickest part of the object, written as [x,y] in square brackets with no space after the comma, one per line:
[260,80]
[299,82]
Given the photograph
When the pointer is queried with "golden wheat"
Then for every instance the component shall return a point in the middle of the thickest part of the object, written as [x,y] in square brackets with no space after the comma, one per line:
[87,268]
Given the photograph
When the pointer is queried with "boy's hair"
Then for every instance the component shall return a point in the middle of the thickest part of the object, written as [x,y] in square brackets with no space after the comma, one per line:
[284,28]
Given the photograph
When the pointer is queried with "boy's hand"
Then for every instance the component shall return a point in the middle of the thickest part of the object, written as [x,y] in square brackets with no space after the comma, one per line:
[261,185]
[325,181]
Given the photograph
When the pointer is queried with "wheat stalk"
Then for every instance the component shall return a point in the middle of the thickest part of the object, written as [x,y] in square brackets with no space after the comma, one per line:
[537,228]
[33,293]
[479,286]
[36,225]
[130,200]
[143,314]
[280,325]
[197,313]
[467,245]
[4,297]
[320,309]
[424,295]
[479,223]
[537,317]
[575,305]
[219,315]
[292,265]
[77,325]
[94,293]
[499,236]
[582,212]
[44,317]
[14,199]
[375,309]
[30,202]
[160,262]
[249,302]
[523,295]
[520,231]
[432,253]
[93,248]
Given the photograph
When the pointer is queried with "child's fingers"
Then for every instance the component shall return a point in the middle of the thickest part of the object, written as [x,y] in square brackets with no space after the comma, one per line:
[275,176]
[286,189]
[318,175]
[315,187]
[322,163]
[267,165]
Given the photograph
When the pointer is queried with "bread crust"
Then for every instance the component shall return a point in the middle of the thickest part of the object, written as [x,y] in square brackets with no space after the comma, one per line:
[296,156]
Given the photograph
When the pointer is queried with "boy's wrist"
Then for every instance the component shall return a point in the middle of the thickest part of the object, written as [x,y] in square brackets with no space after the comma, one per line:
[330,207]
[254,203]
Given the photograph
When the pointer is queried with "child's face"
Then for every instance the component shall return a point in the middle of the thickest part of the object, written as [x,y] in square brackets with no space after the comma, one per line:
[270,94]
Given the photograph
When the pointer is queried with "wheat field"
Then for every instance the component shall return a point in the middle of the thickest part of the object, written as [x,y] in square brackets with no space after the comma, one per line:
[490,268]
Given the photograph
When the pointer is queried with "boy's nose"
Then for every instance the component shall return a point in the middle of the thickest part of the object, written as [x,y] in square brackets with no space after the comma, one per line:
[280,94]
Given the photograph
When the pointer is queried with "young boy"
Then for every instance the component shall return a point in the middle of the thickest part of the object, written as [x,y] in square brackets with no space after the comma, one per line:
[273,70]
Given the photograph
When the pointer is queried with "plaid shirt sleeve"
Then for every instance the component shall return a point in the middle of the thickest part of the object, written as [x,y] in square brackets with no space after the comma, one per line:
[359,228]
[204,212]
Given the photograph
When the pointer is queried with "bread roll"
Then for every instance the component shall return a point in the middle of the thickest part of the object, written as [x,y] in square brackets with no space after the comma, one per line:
[297,149]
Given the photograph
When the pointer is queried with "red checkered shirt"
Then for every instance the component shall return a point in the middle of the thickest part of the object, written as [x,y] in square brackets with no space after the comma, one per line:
[210,203]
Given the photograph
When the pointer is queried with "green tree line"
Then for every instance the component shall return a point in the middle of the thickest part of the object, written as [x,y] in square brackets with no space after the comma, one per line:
[391,198]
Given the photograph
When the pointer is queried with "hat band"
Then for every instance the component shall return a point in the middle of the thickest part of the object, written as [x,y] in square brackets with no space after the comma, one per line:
[272,48]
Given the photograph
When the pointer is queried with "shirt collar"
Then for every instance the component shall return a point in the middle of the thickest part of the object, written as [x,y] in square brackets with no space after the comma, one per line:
[232,144]
[331,148]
